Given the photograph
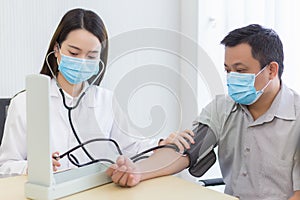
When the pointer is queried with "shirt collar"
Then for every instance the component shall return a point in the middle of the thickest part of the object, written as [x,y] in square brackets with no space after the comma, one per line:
[88,98]
[54,89]
[283,107]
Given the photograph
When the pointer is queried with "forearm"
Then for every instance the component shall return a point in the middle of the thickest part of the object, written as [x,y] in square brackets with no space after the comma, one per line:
[13,168]
[162,162]
[296,195]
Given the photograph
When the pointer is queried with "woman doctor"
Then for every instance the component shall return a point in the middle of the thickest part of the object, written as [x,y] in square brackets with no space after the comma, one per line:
[75,61]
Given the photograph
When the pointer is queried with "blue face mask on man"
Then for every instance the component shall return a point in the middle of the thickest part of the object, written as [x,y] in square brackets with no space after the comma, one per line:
[241,87]
[77,70]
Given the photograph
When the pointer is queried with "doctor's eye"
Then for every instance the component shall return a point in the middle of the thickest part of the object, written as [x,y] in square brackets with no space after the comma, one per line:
[92,57]
[73,53]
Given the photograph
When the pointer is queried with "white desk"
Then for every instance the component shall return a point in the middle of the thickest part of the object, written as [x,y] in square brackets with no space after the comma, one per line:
[168,187]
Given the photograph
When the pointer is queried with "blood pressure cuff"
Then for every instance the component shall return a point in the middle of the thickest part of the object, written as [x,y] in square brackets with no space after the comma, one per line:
[201,153]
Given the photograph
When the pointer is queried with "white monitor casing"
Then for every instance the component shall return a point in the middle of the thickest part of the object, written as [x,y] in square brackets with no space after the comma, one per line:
[42,182]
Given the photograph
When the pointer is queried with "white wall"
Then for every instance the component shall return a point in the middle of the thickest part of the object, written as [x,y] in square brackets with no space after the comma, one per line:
[27,26]
[26,29]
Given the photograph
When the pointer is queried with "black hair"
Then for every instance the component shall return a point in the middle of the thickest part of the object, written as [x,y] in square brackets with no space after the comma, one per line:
[77,19]
[265,44]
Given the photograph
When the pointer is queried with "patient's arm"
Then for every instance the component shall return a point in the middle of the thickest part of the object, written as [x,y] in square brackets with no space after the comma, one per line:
[296,195]
[162,162]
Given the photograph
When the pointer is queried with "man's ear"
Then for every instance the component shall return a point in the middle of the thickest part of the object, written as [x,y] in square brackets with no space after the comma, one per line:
[273,69]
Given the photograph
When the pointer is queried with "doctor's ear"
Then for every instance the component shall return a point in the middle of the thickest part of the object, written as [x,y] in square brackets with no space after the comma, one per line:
[273,69]
[56,49]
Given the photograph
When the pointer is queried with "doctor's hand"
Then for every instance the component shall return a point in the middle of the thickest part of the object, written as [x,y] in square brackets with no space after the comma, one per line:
[55,162]
[182,140]
[124,172]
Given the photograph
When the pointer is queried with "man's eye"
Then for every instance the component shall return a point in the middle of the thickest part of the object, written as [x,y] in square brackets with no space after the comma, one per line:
[227,70]
[240,70]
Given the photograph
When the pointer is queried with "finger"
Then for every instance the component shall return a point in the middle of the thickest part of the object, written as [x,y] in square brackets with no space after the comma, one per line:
[171,138]
[189,132]
[128,163]
[117,174]
[56,152]
[188,137]
[162,142]
[55,163]
[123,180]
[179,145]
[55,155]
[133,179]
[120,161]
[184,142]
[111,169]
[126,179]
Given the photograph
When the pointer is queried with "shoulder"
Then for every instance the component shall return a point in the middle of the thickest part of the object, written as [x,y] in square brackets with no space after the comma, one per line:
[296,97]
[99,96]
[296,102]
[217,110]
[290,93]
[17,105]
[103,93]
[222,103]
[19,99]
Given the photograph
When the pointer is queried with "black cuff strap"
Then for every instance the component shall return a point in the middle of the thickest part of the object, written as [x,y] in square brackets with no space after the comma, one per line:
[203,165]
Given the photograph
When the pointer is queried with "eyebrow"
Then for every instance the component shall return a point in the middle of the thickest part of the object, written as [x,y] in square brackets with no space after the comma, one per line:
[236,65]
[74,47]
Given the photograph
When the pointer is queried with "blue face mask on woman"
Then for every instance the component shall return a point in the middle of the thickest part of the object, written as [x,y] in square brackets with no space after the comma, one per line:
[77,70]
[241,87]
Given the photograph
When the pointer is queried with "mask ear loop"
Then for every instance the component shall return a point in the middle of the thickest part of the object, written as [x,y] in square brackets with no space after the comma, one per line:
[99,75]
[261,70]
[263,89]
[51,71]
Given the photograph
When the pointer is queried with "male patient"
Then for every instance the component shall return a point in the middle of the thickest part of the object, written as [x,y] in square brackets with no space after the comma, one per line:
[256,127]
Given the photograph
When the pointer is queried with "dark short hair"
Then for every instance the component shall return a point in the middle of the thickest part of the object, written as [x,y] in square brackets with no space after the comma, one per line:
[73,20]
[265,44]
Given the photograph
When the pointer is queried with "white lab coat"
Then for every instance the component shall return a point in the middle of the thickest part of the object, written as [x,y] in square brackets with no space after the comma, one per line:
[94,117]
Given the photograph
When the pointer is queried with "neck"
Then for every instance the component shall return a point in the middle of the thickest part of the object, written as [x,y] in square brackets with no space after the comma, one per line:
[71,89]
[265,101]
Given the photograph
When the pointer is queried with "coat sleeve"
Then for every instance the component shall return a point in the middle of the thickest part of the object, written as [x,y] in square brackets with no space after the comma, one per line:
[13,151]
[131,141]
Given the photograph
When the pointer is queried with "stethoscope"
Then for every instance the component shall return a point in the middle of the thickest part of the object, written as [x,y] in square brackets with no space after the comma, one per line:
[72,158]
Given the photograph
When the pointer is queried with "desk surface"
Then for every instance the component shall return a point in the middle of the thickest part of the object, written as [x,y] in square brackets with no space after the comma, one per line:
[168,187]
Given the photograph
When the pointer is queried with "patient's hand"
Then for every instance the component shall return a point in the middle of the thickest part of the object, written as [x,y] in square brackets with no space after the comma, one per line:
[124,172]
[182,140]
